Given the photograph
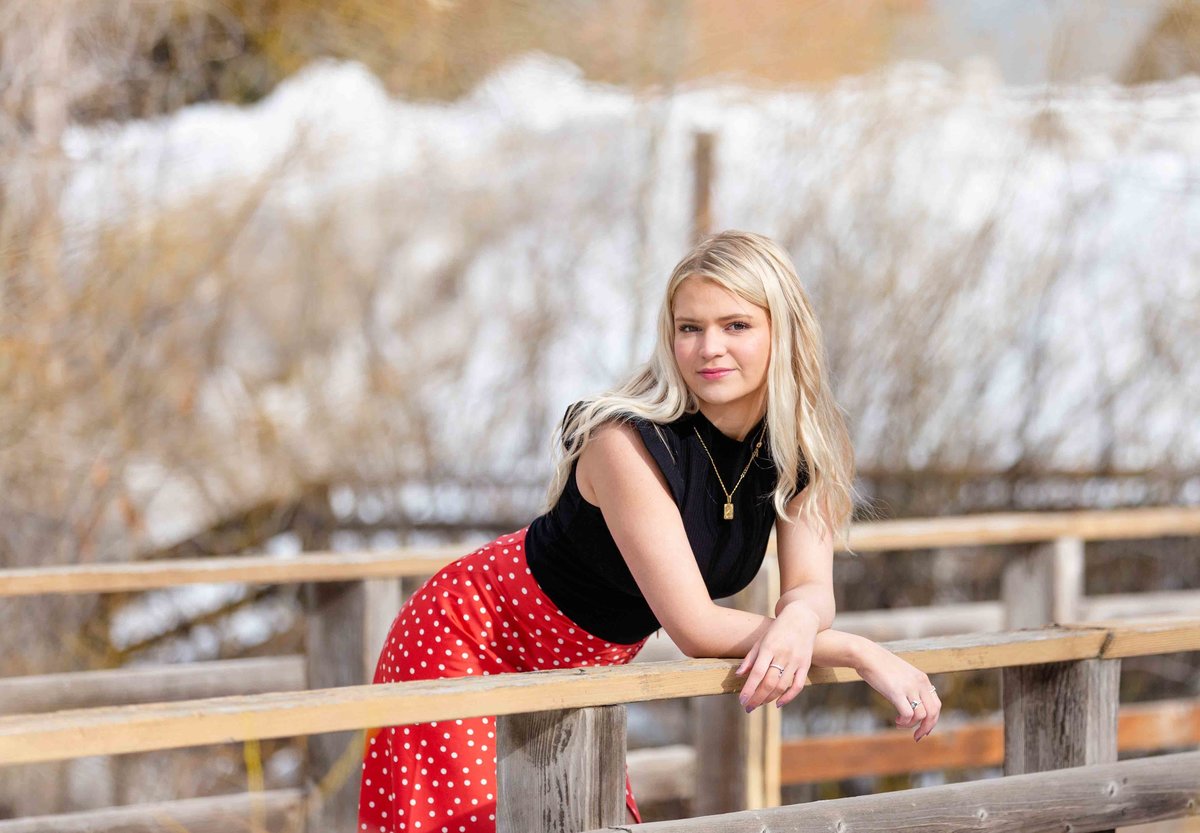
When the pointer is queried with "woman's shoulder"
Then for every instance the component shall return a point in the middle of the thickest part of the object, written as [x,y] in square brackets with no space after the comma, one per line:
[661,439]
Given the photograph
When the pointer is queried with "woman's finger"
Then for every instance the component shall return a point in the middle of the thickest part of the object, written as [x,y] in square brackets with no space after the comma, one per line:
[933,711]
[748,661]
[764,682]
[795,688]
[927,724]
[906,714]
[778,682]
[756,672]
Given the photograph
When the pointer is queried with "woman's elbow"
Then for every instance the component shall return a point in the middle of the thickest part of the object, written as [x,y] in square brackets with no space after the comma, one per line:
[689,642]
[689,647]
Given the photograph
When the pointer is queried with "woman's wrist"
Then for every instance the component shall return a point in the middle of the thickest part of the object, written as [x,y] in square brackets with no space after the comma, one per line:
[802,614]
[838,649]
[862,651]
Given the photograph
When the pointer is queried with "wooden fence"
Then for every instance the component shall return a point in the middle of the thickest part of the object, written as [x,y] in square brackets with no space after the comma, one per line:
[351,599]
[1060,710]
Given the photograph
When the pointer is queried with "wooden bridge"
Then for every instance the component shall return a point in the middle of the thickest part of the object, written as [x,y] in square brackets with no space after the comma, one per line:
[1059,690]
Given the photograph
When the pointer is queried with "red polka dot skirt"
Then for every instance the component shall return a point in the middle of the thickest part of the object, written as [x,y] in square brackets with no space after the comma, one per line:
[482,614]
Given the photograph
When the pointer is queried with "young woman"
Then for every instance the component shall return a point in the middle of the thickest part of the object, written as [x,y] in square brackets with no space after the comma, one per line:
[663,500]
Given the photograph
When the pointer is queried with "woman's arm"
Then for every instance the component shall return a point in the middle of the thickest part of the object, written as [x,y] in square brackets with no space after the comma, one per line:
[898,681]
[805,565]
[734,632]
[617,473]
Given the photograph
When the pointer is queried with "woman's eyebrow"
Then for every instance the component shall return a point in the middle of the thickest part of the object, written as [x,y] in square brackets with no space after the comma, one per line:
[691,320]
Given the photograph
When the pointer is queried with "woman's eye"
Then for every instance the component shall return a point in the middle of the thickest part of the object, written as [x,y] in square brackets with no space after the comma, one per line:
[740,325]
[686,328]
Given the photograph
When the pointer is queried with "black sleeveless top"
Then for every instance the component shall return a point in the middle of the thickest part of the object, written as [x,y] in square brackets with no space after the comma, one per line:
[573,557]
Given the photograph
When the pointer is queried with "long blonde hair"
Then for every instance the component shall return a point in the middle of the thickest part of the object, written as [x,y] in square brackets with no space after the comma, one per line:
[807,427]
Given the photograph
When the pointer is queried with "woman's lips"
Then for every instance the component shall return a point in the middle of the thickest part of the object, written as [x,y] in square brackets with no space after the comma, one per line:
[715,374]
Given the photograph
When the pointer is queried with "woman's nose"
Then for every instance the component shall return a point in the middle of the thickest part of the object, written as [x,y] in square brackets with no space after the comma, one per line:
[711,344]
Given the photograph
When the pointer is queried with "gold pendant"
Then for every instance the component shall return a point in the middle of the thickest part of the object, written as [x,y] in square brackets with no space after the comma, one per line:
[729,511]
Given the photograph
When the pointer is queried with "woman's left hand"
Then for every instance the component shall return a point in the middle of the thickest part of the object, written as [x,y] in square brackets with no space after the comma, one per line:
[905,686]
[779,661]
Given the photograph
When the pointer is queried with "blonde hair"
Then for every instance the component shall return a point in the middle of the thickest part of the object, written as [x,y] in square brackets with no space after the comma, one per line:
[807,427]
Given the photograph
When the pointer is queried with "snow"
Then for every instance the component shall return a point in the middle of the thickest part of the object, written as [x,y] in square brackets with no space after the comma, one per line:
[1086,199]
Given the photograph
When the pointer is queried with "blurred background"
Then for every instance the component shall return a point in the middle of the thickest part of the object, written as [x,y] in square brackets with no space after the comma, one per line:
[290,275]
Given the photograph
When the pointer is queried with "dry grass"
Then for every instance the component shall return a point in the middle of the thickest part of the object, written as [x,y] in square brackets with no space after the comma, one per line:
[212,369]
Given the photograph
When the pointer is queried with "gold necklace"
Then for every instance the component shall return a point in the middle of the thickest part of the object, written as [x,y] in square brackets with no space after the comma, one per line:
[729,494]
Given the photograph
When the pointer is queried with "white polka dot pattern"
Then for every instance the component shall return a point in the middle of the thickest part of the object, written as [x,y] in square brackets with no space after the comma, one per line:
[483,614]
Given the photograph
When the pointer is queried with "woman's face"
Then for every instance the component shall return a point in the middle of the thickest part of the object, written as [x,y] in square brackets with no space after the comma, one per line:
[722,348]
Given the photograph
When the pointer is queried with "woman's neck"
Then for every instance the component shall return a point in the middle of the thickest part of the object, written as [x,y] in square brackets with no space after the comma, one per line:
[733,421]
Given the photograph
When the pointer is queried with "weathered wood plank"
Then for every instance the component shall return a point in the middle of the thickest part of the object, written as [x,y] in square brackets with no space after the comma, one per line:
[1092,798]
[150,575]
[78,733]
[560,771]
[1139,605]
[702,182]
[934,620]
[971,530]
[963,652]
[145,684]
[335,620]
[1067,594]
[975,617]
[1164,636]
[1044,585]
[1024,528]
[666,773]
[1141,727]
[662,773]
[737,754]
[765,787]
[1060,714]
[276,810]
[382,599]
[812,759]
[151,684]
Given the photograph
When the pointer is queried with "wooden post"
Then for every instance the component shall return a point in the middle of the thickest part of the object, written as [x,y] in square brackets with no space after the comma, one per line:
[382,598]
[1044,585]
[561,771]
[702,163]
[1060,714]
[764,754]
[738,755]
[1068,579]
[335,651]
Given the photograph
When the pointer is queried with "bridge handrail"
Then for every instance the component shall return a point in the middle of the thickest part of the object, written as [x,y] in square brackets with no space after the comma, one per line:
[920,533]
[121,729]
[1091,798]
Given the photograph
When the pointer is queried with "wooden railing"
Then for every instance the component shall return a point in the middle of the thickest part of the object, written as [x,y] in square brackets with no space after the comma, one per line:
[351,599]
[1060,707]
[1084,799]
[876,536]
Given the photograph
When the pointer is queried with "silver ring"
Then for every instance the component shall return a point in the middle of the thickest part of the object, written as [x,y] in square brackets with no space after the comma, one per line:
[914,703]
[933,688]
[780,667]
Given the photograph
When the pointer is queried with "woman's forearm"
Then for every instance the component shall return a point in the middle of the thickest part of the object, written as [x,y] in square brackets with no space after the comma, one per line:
[732,633]
[838,649]
[727,633]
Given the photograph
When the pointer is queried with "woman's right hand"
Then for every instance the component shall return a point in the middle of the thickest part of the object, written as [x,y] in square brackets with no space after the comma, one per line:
[901,684]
